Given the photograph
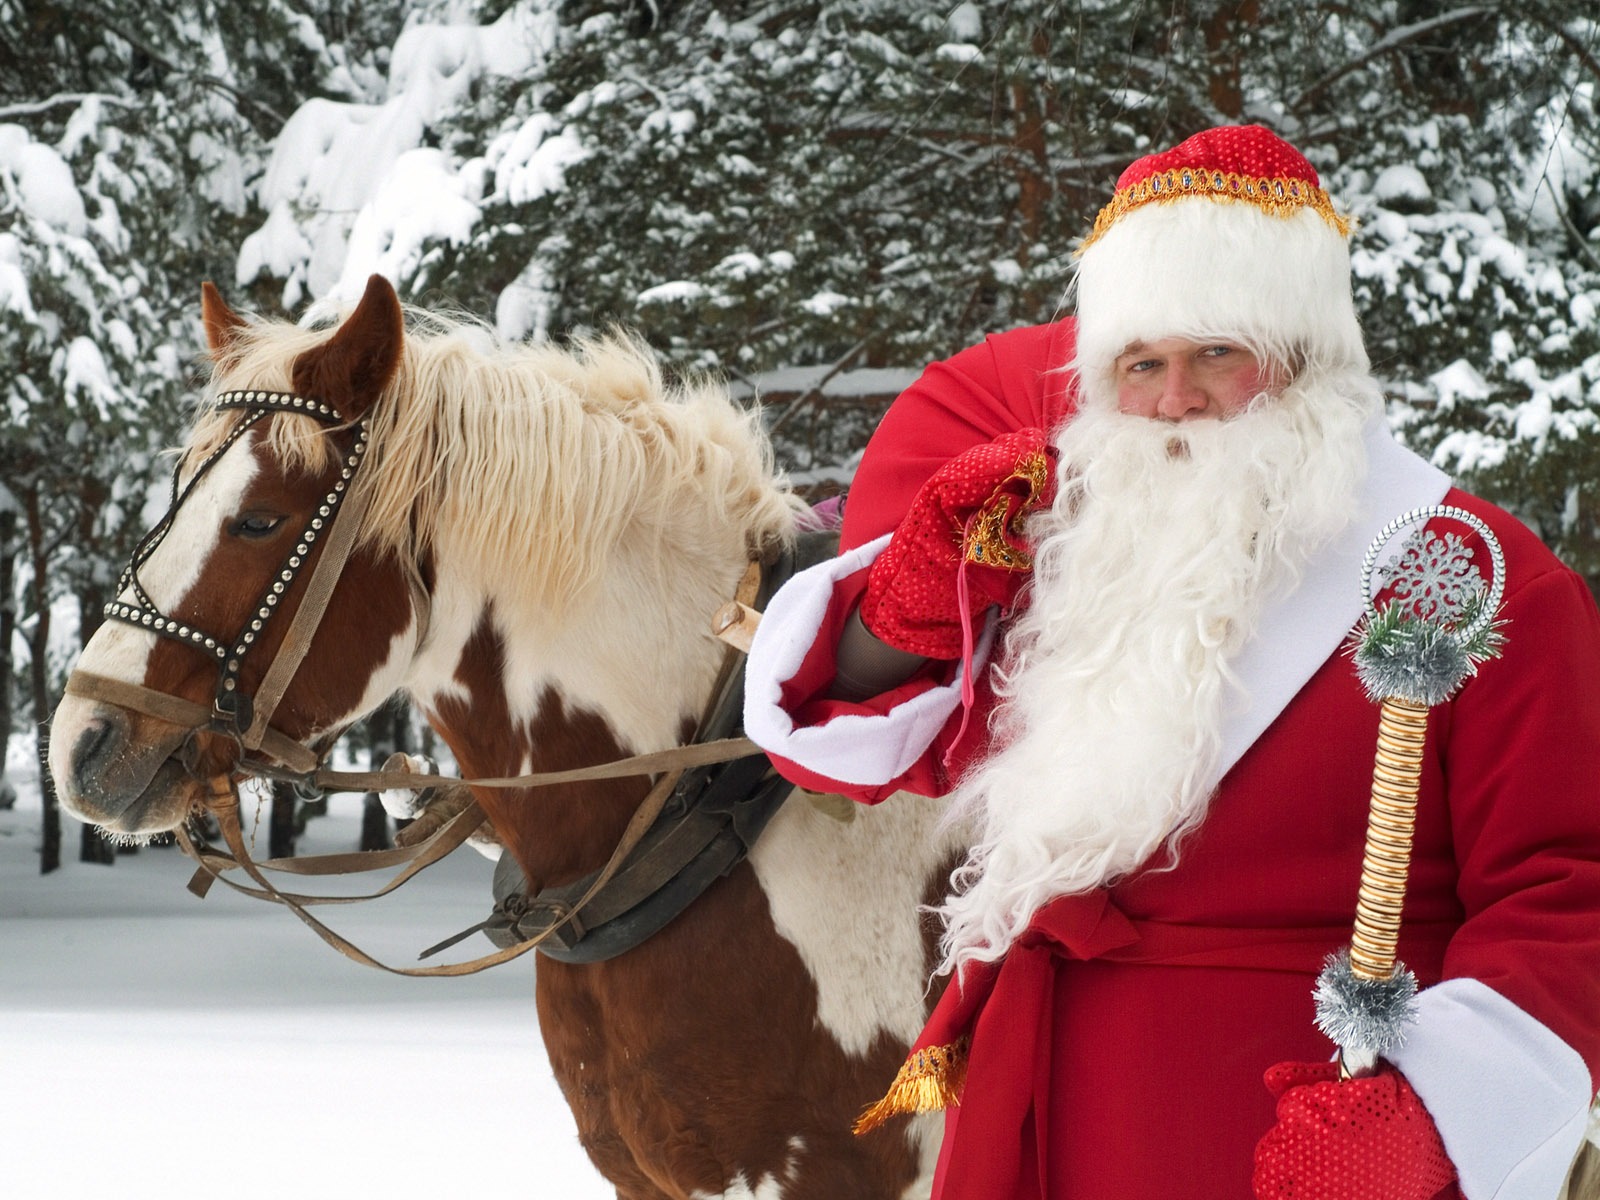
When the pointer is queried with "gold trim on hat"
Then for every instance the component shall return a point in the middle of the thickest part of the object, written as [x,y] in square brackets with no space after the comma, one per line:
[1279,195]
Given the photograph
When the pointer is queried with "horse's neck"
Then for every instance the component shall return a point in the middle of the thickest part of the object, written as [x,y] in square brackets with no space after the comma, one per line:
[623,668]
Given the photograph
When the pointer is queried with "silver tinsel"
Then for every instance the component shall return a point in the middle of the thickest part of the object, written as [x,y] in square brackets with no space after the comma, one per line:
[1357,1012]
[1413,660]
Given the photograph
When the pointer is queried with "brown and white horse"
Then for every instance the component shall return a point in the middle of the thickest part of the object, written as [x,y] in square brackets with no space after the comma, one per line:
[544,536]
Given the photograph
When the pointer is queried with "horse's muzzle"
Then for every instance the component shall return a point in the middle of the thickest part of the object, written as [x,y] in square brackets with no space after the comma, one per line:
[112,769]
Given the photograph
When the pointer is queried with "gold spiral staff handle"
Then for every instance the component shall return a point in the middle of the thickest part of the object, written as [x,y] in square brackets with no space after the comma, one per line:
[1396,775]
[1438,625]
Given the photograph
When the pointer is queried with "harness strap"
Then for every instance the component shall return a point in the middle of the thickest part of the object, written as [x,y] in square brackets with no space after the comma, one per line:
[225,806]
[194,716]
[303,627]
[183,713]
[713,820]
[416,858]
[564,925]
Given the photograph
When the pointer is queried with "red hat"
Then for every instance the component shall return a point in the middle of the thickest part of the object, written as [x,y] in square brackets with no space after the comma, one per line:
[1230,236]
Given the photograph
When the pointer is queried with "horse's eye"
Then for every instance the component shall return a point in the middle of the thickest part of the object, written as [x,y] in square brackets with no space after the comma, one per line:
[255,525]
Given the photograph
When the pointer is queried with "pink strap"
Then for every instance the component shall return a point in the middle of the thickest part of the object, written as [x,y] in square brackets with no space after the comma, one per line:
[964,615]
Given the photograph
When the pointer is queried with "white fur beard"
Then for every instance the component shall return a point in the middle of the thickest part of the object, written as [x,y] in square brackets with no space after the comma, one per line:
[1150,574]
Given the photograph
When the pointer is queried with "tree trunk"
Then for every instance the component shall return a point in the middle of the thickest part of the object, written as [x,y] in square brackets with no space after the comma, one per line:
[10,548]
[387,731]
[1226,84]
[39,680]
[92,848]
[50,821]
[281,823]
[374,824]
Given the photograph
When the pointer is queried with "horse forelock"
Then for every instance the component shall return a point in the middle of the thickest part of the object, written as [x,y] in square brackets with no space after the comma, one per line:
[532,459]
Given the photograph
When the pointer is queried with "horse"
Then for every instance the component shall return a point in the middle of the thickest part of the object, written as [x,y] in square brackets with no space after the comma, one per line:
[540,537]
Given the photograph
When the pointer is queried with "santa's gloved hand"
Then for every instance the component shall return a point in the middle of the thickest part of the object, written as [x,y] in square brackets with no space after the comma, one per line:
[960,548]
[1355,1139]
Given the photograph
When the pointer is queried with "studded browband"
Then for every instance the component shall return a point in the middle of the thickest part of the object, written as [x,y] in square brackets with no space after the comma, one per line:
[233,711]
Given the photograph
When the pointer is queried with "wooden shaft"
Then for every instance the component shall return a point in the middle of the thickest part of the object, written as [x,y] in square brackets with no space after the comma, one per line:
[1396,774]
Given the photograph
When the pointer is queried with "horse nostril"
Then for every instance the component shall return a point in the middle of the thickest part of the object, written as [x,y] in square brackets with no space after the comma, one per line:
[93,747]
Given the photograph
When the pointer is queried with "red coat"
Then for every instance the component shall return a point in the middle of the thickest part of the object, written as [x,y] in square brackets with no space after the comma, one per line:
[1119,1055]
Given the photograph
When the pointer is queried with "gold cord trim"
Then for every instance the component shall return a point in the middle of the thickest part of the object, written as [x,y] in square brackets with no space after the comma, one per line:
[929,1081]
[993,540]
[1279,195]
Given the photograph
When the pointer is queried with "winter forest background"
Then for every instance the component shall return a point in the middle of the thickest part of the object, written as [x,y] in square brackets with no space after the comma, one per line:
[812,198]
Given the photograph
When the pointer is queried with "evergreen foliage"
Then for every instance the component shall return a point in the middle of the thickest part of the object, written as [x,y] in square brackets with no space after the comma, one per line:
[763,184]
[773,183]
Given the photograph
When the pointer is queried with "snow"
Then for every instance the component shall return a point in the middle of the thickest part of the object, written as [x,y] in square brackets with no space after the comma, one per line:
[86,375]
[351,188]
[421,198]
[675,291]
[14,280]
[965,22]
[159,1046]
[1401,182]
[43,182]
[825,303]
[534,160]
[1459,382]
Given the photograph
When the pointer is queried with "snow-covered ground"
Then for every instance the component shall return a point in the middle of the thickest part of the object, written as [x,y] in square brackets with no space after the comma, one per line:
[156,1045]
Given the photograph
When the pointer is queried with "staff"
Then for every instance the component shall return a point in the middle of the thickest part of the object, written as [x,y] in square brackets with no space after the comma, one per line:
[1413,654]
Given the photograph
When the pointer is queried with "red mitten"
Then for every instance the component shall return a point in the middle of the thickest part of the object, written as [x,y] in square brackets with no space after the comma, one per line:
[964,522]
[1355,1139]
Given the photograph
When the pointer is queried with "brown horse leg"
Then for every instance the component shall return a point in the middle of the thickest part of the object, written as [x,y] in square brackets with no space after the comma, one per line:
[844,1167]
[612,1158]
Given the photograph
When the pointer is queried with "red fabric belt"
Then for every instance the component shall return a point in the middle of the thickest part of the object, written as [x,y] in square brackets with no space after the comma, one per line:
[1006,1008]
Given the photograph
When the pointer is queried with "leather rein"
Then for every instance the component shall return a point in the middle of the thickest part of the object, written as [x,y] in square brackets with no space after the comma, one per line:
[268,753]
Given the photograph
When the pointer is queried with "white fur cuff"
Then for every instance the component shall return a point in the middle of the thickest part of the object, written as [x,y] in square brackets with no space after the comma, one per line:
[1510,1098]
[863,750]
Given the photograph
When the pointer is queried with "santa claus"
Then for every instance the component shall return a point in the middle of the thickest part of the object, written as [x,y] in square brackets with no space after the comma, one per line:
[1094,584]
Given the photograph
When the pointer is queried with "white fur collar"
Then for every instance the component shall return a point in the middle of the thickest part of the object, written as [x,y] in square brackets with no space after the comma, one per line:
[1298,632]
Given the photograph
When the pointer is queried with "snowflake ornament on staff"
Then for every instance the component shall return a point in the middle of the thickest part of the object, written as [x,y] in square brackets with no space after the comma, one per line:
[1437,624]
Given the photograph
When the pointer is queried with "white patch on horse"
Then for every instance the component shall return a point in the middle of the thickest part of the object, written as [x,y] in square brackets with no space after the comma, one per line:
[456,611]
[593,660]
[768,1187]
[850,925]
[868,961]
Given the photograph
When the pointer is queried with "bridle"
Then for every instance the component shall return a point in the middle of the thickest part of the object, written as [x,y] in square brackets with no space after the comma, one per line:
[235,713]
[245,718]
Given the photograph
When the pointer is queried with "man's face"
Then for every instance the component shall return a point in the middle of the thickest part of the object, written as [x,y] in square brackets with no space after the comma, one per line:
[1175,379]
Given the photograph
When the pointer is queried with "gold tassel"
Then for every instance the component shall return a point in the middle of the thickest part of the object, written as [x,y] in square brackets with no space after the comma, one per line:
[929,1081]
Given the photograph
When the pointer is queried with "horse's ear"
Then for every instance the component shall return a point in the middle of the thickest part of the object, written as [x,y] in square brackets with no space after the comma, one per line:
[223,325]
[350,370]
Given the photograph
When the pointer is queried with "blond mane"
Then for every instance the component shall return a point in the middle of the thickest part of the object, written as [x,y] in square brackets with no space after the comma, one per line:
[538,457]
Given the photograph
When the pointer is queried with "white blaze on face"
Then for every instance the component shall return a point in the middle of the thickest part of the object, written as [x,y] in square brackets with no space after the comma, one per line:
[177,563]
[119,650]
[1150,574]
